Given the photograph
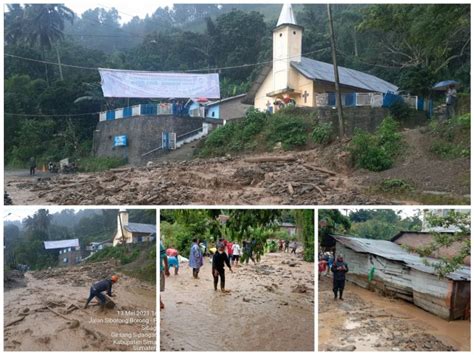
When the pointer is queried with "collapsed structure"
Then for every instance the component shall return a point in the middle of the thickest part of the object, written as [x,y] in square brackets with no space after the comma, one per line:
[406,275]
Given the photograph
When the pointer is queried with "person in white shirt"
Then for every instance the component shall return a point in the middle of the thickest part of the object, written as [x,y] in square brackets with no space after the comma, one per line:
[451,96]
[235,254]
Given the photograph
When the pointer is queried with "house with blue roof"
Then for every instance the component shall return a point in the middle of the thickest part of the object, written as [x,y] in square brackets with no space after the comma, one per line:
[294,79]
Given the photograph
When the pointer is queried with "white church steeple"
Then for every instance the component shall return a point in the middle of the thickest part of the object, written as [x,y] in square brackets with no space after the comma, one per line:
[287,43]
[286,16]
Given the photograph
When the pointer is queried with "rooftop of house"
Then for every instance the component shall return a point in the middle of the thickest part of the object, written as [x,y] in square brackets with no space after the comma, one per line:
[394,252]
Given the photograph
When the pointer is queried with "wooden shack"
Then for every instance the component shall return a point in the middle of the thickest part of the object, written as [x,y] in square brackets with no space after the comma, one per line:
[405,275]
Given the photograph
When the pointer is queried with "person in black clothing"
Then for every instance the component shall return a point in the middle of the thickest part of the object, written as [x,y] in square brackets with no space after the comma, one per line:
[99,287]
[339,269]
[218,260]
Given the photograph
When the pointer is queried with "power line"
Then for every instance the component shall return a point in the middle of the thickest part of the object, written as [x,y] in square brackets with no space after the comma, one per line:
[55,115]
[175,71]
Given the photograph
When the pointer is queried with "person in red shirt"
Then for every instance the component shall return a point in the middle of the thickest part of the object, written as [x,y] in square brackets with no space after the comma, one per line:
[229,250]
[322,265]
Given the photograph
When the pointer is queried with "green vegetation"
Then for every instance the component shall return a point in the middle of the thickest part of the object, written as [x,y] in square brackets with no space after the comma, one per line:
[24,240]
[366,223]
[395,186]
[452,138]
[50,108]
[323,133]
[259,131]
[90,164]
[377,152]
[179,227]
[136,260]
[460,221]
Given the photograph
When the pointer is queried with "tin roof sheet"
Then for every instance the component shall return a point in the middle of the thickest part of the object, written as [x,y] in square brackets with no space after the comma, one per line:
[316,70]
[141,228]
[393,251]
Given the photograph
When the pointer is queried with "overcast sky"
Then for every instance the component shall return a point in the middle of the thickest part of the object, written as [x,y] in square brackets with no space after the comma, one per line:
[18,214]
[405,212]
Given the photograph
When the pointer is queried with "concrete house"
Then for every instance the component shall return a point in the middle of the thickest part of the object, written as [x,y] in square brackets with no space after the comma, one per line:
[132,233]
[69,251]
[405,275]
[305,81]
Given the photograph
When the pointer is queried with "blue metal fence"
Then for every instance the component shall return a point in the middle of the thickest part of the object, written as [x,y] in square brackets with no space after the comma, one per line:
[127,112]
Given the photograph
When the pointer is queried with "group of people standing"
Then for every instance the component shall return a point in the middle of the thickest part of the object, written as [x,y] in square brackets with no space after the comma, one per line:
[286,245]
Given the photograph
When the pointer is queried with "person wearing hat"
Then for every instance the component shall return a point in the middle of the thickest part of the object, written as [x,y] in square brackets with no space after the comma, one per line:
[99,287]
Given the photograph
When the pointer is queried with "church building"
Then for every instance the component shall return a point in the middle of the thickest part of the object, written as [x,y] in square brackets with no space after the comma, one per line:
[308,82]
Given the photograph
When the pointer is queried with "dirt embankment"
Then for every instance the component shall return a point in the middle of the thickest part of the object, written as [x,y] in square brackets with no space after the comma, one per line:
[365,321]
[270,307]
[423,170]
[47,314]
[319,176]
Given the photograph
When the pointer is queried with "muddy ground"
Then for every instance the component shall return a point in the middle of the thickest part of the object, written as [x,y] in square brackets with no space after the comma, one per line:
[47,313]
[270,307]
[312,177]
[365,321]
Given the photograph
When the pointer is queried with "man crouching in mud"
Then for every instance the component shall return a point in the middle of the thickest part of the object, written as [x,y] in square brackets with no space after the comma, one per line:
[98,288]
[339,269]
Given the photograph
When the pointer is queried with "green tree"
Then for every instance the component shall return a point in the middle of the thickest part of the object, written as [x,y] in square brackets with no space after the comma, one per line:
[460,223]
[42,25]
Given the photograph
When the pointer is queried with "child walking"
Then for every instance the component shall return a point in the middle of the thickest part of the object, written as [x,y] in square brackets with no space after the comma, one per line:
[218,260]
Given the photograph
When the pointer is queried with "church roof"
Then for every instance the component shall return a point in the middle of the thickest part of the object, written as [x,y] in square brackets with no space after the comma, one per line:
[287,16]
[140,228]
[316,70]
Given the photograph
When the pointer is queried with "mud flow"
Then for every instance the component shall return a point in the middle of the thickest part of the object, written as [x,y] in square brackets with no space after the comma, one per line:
[270,307]
[366,321]
[45,312]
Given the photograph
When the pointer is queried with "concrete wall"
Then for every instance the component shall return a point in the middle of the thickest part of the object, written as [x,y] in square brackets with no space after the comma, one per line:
[364,118]
[144,134]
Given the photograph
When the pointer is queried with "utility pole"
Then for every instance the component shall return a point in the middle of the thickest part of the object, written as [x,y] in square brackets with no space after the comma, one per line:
[336,75]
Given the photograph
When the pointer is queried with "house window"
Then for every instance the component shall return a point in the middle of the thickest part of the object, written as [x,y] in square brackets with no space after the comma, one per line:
[65,260]
[213,114]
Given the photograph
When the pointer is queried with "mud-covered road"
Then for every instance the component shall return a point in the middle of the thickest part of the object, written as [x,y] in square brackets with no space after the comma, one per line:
[365,321]
[48,314]
[320,176]
[270,307]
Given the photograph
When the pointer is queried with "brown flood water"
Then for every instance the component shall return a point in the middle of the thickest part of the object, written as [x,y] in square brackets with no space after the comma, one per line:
[270,306]
[370,322]
[130,326]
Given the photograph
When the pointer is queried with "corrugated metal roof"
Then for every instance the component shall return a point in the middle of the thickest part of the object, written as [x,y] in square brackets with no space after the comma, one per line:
[393,251]
[140,228]
[60,244]
[316,70]
[226,99]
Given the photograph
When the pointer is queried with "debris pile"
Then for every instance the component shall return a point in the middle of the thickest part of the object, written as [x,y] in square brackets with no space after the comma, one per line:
[262,179]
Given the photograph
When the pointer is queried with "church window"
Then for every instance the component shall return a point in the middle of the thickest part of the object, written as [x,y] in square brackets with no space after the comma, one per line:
[281,34]
[294,32]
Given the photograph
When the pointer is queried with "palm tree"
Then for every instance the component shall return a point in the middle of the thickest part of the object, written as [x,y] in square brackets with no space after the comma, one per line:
[39,24]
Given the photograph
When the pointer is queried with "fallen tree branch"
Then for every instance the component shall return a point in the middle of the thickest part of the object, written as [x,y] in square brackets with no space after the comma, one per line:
[271,159]
[19,319]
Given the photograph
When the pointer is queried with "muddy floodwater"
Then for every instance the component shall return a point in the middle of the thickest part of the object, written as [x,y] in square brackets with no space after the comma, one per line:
[366,321]
[270,306]
[47,314]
